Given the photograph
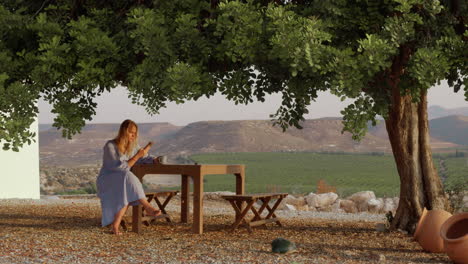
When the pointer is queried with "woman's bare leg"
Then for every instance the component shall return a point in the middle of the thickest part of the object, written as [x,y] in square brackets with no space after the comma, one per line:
[117,219]
[149,208]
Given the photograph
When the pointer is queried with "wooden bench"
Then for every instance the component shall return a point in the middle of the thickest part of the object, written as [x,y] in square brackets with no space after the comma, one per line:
[237,202]
[142,217]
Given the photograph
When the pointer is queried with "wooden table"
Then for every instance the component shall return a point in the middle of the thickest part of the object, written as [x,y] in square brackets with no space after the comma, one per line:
[196,172]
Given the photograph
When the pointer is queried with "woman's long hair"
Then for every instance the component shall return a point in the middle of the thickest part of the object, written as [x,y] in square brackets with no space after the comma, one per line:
[124,146]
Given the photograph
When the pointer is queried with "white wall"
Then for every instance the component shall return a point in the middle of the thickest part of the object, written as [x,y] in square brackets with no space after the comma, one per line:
[19,171]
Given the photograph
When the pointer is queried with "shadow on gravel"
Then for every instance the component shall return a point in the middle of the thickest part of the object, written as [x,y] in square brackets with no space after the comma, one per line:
[49,222]
[372,254]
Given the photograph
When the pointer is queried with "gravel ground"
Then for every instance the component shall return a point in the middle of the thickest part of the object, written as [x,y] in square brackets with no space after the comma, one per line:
[55,230]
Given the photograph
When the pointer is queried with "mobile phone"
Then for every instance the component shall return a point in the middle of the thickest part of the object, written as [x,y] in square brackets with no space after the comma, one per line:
[148,145]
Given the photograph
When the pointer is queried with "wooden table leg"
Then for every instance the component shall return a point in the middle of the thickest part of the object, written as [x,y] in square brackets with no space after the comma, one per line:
[197,227]
[240,187]
[136,218]
[184,199]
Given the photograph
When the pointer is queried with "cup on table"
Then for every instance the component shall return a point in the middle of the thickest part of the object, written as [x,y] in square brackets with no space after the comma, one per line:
[162,159]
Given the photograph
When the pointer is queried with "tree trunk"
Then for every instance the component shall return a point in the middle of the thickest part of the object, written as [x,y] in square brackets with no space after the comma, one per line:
[420,185]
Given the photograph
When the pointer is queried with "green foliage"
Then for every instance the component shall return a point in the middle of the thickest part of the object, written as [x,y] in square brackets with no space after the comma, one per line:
[91,189]
[69,52]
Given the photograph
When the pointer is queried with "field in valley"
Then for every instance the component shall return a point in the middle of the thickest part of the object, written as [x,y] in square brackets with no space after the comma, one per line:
[300,172]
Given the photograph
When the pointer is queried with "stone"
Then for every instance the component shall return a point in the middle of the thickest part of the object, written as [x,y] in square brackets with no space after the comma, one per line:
[388,206]
[296,201]
[289,207]
[335,207]
[348,206]
[304,207]
[311,199]
[281,245]
[361,198]
[321,200]
[375,205]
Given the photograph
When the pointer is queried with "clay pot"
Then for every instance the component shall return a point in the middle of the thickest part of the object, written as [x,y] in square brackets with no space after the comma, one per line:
[454,232]
[428,230]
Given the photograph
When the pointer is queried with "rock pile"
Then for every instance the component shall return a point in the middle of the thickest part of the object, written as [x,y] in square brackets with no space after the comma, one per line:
[330,202]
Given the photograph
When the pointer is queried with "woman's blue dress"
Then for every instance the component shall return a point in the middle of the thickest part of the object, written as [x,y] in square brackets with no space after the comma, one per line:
[117,186]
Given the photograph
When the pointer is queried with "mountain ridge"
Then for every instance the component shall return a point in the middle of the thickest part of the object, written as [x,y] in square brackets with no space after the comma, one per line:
[319,135]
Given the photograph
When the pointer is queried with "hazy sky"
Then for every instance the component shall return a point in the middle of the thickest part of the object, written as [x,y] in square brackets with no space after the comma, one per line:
[115,106]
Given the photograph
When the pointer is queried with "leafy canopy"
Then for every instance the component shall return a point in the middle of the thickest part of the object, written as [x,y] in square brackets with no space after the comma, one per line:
[69,52]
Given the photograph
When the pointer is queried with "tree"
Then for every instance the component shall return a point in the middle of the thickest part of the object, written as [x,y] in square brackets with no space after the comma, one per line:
[384,54]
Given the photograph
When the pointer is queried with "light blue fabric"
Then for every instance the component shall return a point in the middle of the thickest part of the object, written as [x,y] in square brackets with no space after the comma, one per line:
[116,185]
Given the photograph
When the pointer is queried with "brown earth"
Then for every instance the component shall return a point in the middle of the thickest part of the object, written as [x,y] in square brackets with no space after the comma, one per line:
[69,232]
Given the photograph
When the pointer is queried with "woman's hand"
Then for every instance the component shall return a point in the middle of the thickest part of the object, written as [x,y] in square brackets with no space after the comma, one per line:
[142,152]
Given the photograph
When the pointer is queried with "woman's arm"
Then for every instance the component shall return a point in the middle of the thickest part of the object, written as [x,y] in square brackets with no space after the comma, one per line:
[141,153]
[146,159]
[114,161]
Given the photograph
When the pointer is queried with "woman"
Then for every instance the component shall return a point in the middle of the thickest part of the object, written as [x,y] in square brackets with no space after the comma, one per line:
[117,186]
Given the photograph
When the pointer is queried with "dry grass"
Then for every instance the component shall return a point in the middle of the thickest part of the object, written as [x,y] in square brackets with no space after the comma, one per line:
[35,232]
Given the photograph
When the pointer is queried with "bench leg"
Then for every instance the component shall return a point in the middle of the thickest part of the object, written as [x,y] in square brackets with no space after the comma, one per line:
[162,206]
[258,216]
[272,211]
[241,214]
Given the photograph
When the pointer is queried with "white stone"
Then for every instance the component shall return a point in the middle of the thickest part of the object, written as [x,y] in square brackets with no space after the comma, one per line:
[321,200]
[296,201]
[382,205]
[361,198]
[304,207]
[311,199]
[335,207]
[374,205]
[348,206]
[289,207]
[389,205]
[396,201]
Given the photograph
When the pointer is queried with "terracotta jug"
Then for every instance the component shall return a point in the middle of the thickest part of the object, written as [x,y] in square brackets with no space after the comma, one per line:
[454,232]
[428,230]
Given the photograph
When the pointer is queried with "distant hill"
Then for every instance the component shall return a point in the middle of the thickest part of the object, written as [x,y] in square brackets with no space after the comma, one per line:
[86,147]
[262,136]
[436,111]
[451,129]
[222,136]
